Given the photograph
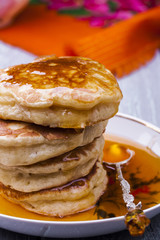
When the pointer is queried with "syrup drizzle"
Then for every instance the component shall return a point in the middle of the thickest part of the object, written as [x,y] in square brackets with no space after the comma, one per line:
[71,72]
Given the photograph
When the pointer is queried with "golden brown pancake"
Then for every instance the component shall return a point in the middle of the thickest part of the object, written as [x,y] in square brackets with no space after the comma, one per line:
[24,144]
[53,172]
[63,162]
[71,198]
[67,92]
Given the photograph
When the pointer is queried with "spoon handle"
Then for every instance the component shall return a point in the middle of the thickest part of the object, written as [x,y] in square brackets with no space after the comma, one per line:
[127,196]
[135,219]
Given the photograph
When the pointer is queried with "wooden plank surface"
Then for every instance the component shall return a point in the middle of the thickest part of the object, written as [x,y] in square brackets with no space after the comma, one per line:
[141,91]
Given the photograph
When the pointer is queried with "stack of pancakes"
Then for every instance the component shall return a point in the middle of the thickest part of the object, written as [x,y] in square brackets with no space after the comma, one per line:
[53,113]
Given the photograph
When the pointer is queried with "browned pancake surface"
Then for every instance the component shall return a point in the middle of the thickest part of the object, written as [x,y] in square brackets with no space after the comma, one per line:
[71,72]
[14,129]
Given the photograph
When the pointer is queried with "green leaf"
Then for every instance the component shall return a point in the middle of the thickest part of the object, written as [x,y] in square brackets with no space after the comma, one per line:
[74,12]
[35,1]
[112,5]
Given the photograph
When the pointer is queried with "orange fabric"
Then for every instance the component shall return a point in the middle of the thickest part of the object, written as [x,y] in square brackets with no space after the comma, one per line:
[124,46]
[42,31]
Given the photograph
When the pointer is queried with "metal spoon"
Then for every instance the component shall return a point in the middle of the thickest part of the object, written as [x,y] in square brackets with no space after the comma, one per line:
[135,219]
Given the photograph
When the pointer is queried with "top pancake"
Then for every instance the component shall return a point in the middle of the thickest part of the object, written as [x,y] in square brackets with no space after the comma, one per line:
[60,82]
[65,81]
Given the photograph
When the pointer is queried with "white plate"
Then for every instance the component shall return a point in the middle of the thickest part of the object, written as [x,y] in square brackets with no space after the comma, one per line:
[122,126]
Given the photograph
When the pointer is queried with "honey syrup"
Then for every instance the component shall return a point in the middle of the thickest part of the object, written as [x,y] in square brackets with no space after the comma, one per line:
[71,72]
[142,172]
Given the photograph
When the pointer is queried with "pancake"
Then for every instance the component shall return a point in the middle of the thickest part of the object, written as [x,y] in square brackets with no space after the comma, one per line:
[54,172]
[64,162]
[25,144]
[74,197]
[66,92]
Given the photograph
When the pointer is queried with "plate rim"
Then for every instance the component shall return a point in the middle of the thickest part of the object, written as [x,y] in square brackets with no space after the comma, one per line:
[120,218]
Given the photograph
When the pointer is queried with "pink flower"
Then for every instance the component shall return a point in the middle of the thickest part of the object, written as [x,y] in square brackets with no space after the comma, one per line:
[134,5]
[108,19]
[63,4]
[96,6]
[120,15]
[151,3]
[103,12]
[97,21]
